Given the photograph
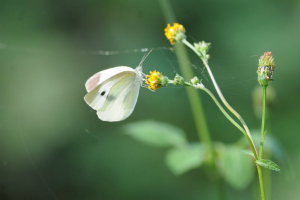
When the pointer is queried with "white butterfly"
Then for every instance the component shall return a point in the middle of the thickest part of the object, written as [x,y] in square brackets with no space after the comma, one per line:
[113,92]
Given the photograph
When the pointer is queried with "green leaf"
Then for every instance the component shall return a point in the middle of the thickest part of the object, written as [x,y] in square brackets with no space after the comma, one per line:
[156,133]
[236,169]
[247,152]
[186,158]
[268,164]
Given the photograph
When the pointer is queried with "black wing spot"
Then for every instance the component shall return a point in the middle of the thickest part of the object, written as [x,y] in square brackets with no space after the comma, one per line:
[102,93]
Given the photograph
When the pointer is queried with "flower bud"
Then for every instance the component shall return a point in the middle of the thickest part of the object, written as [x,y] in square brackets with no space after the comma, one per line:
[195,80]
[164,81]
[178,80]
[203,48]
[266,68]
[199,85]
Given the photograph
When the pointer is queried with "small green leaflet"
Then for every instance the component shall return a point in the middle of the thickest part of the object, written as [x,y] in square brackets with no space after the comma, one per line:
[268,164]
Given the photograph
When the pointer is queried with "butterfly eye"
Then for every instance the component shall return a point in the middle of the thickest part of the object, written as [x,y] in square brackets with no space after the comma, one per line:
[102,93]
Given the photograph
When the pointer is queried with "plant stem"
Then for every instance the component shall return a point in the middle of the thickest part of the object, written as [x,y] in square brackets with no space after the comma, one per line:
[261,182]
[249,137]
[262,139]
[268,178]
[217,103]
[268,155]
[223,110]
[194,98]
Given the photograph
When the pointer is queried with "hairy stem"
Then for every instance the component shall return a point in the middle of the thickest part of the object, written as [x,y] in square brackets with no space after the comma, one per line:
[249,137]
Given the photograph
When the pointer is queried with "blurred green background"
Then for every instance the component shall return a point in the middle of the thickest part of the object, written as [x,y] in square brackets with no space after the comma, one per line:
[53,146]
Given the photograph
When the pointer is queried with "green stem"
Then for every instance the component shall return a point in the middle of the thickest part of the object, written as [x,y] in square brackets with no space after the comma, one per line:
[262,139]
[202,87]
[261,182]
[249,137]
[194,97]
[268,155]
[268,178]
[223,110]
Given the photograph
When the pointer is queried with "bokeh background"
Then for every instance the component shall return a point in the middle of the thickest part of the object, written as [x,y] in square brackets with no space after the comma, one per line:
[53,146]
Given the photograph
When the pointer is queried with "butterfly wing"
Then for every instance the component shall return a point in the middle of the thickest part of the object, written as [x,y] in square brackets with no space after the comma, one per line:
[97,97]
[115,98]
[102,76]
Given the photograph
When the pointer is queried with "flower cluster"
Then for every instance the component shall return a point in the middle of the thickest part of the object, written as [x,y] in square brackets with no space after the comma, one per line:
[156,80]
[175,33]
[266,68]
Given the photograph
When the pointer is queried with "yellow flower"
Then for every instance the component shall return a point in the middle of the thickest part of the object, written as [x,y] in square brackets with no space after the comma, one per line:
[175,33]
[156,80]
[152,80]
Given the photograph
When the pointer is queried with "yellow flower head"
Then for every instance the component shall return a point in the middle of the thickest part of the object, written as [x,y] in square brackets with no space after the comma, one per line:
[156,80]
[175,33]
[153,81]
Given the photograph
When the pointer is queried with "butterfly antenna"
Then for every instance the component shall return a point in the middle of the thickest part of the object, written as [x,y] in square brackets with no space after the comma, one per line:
[144,58]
